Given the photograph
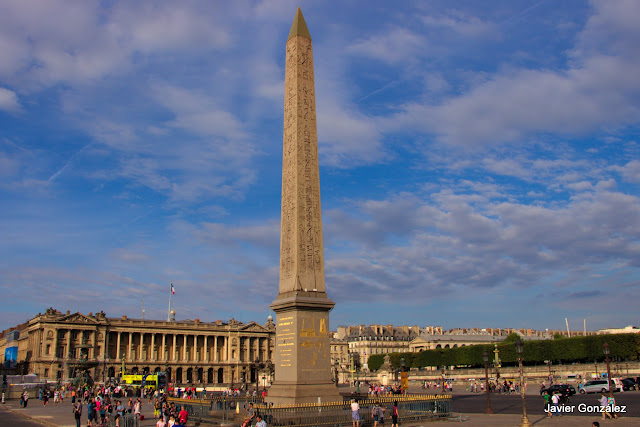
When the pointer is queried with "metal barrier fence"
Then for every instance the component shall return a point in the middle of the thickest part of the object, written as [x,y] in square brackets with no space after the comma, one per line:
[127,420]
[410,407]
[223,406]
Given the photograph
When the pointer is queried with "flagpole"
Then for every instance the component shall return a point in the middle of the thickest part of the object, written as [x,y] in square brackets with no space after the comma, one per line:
[169,310]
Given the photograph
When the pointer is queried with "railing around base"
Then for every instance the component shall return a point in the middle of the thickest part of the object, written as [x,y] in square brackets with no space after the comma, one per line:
[410,407]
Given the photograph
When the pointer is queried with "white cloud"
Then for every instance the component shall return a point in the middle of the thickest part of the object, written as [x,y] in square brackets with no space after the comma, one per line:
[458,22]
[9,101]
[398,44]
[598,90]
[631,171]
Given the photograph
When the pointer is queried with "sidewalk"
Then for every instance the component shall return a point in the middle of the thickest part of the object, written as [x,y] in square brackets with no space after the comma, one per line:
[62,415]
[513,420]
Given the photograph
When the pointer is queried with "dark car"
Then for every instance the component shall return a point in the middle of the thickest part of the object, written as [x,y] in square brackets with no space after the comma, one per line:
[565,390]
[629,384]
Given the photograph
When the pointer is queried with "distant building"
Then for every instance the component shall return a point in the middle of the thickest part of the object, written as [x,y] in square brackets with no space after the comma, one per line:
[56,345]
[626,330]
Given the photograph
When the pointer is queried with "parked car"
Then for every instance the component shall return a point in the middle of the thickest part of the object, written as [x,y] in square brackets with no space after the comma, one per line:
[565,389]
[628,385]
[595,386]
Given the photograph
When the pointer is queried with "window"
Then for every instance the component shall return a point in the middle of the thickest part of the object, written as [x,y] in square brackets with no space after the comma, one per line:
[46,372]
[48,349]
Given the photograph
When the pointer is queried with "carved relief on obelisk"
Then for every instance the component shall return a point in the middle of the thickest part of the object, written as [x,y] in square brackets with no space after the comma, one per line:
[301,250]
[301,356]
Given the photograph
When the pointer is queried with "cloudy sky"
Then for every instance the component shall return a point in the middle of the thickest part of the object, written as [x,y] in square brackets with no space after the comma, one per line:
[480,165]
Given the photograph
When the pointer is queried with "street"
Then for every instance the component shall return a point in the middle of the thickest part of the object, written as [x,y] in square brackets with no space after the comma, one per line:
[512,404]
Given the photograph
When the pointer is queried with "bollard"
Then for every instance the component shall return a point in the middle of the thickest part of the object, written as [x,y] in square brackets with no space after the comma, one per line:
[3,397]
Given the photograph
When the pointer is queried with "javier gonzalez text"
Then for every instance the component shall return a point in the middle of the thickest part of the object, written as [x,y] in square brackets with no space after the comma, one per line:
[583,407]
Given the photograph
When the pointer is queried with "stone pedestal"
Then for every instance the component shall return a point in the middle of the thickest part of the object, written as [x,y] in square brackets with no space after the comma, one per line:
[302,353]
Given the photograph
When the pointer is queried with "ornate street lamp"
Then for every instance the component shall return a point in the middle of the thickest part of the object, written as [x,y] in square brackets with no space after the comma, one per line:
[485,358]
[336,366]
[606,350]
[443,389]
[519,350]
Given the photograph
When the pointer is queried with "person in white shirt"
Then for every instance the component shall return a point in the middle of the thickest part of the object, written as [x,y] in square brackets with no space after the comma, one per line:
[355,413]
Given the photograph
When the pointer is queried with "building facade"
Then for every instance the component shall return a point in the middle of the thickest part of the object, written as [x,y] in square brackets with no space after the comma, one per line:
[57,345]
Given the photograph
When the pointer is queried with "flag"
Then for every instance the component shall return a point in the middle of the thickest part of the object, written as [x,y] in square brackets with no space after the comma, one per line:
[173,290]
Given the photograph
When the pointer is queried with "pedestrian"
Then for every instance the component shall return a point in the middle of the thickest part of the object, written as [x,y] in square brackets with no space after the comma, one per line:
[604,406]
[547,404]
[611,403]
[260,422]
[137,408]
[556,403]
[183,416]
[90,412]
[25,398]
[161,422]
[375,413]
[355,413]
[394,414]
[77,412]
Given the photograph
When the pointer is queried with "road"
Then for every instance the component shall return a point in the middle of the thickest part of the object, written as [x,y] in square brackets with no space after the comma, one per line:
[8,418]
[512,404]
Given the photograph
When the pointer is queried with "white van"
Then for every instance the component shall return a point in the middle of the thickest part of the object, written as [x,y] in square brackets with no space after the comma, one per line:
[595,386]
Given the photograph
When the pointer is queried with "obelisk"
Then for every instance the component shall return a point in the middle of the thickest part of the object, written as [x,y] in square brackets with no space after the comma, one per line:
[302,358]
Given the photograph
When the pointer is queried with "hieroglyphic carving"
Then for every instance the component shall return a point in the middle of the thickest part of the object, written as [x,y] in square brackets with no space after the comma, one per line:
[301,248]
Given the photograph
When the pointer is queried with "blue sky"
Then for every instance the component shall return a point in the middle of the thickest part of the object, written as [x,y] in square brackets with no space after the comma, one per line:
[479,162]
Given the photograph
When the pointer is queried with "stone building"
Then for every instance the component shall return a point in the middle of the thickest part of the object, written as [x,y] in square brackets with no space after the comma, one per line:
[377,339]
[55,345]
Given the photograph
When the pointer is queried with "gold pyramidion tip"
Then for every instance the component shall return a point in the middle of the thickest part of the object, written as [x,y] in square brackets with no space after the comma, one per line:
[299,27]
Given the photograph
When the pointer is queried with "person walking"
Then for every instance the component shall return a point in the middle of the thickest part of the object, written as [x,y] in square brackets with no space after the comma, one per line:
[604,406]
[355,413]
[77,412]
[376,411]
[25,398]
[394,414]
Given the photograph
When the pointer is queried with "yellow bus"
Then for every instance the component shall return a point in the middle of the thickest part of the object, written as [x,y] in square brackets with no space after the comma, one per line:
[154,381]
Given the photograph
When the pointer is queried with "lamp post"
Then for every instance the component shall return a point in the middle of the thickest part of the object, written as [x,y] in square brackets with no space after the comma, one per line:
[357,364]
[519,350]
[485,358]
[443,389]
[336,365]
[607,350]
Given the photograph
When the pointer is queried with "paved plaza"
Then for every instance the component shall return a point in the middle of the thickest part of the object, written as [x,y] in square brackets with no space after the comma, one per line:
[465,412]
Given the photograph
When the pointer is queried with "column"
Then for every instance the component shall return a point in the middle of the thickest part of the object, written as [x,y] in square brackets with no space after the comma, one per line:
[164,346]
[106,344]
[55,343]
[118,355]
[206,348]
[153,348]
[129,346]
[227,344]
[196,354]
[95,345]
[68,349]
[184,348]
[173,349]
[141,347]
[215,348]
